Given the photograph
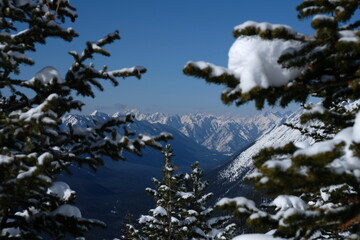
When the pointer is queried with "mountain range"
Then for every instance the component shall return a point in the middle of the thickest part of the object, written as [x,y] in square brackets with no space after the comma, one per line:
[118,187]
[223,134]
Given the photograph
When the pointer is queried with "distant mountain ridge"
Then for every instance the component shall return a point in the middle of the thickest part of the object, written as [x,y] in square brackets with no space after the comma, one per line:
[224,134]
[187,150]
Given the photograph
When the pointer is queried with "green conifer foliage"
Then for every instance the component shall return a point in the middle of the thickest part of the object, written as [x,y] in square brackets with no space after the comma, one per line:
[34,144]
[315,188]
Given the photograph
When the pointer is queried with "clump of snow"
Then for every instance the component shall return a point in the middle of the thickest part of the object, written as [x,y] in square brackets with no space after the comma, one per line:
[37,113]
[5,159]
[264,26]
[28,173]
[356,129]
[185,195]
[68,210]
[319,147]
[284,202]
[216,71]
[282,164]
[315,108]
[348,36]
[347,163]
[255,61]
[46,76]
[311,8]
[43,158]
[323,17]
[302,145]
[120,72]
[145,219]
[256,236]
[159,211]
[11,232]
[242,204]
[61,190]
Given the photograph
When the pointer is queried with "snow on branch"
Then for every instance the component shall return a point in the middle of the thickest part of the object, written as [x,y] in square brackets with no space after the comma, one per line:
[82,75]
[266,30]
[253,63]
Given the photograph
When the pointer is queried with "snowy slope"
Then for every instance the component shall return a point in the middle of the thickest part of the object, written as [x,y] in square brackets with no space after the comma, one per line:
[228,179]
[219,133]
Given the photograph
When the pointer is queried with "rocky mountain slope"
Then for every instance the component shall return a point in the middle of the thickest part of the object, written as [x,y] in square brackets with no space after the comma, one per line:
[228,180]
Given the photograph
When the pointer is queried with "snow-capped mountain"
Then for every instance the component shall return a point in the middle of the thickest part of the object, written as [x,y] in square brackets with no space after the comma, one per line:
[219,133]
[228,180]
[186,149]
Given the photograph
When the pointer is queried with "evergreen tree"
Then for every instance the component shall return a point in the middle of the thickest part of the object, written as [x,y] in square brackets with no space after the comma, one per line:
[196,216]
[315,188]
[34,144]
[163,221]
[181,211]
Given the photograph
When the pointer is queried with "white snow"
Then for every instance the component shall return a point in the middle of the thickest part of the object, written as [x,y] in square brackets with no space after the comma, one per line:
[315,108]
[46,76]
[243,204]
[319,147]
[323,17]
[11,232]
[61,190]
[28,173]
[256,236]
[5,159]
[216,71]
[284,202]
[264,26]
[185,195]
[347,163]
[282,164]
[348,36]
[159,211]
[255,62]
[145,219]
[37,113]
[68,210]
[43,157]
[123,71]
[356,129]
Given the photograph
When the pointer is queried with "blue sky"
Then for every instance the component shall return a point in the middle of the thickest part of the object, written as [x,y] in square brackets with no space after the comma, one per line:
[162,36]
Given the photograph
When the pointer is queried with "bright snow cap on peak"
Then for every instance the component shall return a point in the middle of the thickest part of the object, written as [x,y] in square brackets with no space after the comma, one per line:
[255,61]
